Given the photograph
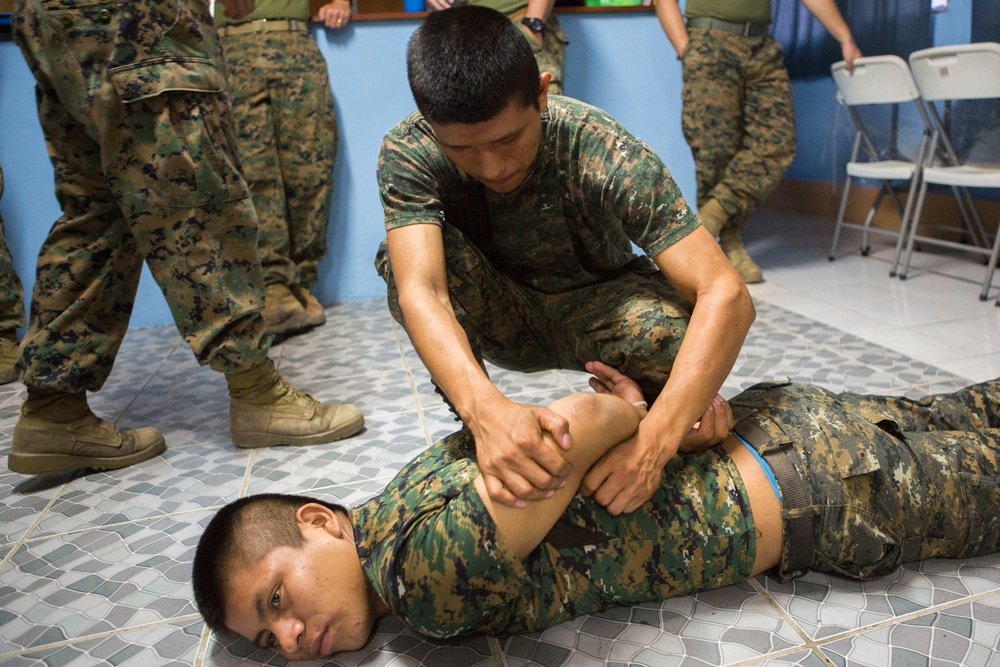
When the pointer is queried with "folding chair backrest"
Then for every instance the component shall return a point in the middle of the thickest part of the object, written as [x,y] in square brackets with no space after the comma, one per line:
[961,72]
[875,80]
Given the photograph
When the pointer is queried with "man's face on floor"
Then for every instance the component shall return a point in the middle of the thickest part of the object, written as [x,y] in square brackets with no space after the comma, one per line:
[305,602]
[499,152]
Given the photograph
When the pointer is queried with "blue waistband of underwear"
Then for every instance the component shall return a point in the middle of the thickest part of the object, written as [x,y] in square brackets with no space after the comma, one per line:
[763,464]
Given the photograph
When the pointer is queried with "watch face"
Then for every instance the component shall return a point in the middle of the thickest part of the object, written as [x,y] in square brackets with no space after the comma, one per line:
[533,24]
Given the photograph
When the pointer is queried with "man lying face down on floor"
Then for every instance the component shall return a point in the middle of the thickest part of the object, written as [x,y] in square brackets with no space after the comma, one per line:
[863,484]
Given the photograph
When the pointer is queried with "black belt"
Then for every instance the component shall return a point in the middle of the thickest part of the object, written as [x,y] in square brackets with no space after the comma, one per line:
[798,528]
[747,29]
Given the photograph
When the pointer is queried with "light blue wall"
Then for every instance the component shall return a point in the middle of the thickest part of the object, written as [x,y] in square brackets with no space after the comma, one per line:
[620,62]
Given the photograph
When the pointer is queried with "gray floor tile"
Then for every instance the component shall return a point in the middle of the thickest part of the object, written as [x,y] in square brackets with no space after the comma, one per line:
[966,635]
[164,645]
[99,581]
[825,605]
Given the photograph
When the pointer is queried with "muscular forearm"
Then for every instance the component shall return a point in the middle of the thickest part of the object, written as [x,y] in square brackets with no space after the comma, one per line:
[721,319]
[669,13]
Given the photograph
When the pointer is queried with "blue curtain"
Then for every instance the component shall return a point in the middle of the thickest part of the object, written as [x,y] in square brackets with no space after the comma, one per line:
[985,21]
[879,27]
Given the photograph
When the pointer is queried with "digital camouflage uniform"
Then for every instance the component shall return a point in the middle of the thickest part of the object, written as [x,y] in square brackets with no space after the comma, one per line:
[287,132]
[545,276]
[133,104]
[888,480]
[11,291]
[737,114]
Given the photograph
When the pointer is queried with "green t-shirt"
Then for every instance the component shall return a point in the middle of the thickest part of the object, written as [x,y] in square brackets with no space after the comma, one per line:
[268,9]
[432,551]
[502,6]
[592,189]
[753,11]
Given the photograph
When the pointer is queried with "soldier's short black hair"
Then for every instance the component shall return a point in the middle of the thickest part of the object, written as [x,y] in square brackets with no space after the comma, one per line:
[241,534]
[466,64]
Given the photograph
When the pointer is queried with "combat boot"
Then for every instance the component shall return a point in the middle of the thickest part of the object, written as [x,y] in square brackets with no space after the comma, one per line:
[282,312]
[732,245]
[58,432]
[265,410]
[8,356]
[314,314]
[713,217]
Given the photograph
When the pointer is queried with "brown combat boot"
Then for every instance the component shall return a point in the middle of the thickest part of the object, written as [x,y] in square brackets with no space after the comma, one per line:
[314,314]
[283,314]
[8,356]
[58,432]
[732,245]
[713,217]
[265,410]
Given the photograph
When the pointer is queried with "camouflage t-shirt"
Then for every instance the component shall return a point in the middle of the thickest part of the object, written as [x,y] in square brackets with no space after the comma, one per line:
[592,188]
[433,553]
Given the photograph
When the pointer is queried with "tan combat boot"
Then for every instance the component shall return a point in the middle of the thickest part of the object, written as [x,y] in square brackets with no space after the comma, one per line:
[8,356]
[58,432]
[282,312]
[265,410]
[712,217]
[315,315]
[732,245]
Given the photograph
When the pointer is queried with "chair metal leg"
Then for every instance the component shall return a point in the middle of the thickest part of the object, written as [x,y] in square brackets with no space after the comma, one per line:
[840,218]
[991,269]
[914,226]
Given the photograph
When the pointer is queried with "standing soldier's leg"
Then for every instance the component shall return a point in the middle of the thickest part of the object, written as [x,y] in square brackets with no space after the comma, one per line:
[250,83]
[11,306]
[308,147]
[712,121]
[767,148]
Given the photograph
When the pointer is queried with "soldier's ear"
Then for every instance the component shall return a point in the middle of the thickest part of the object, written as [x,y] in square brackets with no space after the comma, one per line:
[314,516]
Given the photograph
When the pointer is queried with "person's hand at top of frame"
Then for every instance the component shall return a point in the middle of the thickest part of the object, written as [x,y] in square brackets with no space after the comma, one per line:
[516,462]
[237,9]
[435,5]
[334,14]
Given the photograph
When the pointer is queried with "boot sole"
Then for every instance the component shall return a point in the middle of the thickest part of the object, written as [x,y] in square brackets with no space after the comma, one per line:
[44,464]
[256,439]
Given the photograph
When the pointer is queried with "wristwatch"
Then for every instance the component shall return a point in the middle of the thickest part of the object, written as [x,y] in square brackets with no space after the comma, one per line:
[535,25]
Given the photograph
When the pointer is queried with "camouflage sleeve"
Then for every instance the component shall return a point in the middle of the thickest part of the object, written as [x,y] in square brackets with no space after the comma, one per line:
[640,191]
[452,573]
[408,164]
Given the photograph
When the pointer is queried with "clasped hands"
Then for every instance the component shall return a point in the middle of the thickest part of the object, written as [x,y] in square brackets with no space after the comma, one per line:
[517,447]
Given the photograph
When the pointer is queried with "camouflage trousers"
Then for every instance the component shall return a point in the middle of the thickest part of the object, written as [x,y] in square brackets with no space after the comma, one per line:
[11,291]
[737,118]
[287,132]
[133,104]
[635,322]
[551,55]
[886,480]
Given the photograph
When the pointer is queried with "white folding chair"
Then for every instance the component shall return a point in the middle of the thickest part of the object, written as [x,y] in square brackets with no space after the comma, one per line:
[878,80]
[963,72]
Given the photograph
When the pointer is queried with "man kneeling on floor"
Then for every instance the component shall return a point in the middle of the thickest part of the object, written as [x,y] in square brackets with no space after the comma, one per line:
[804,480]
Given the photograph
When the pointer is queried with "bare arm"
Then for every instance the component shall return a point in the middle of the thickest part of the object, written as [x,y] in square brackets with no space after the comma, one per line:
[723,312]
[831,18]
[237,9]
[669,13]
[514,458]
[597,422]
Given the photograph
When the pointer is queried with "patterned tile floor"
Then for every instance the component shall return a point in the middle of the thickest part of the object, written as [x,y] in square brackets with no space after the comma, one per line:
[95,569]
